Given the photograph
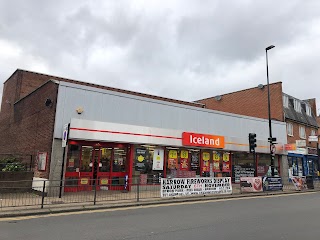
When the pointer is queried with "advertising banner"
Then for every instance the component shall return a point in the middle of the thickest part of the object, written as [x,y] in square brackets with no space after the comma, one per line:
[184,160]
[251,184]
[216,162]
[240,171]
[272,184]
[173,159]
[157,163]
[226,162]
[299,183]
[195,163]
[140,159]
[206,162]
[178,187]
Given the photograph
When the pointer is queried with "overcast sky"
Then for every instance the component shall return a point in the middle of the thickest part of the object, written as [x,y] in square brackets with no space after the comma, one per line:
[178,49]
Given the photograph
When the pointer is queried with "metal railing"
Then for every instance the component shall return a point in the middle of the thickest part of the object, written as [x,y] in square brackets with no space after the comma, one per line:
[43,193]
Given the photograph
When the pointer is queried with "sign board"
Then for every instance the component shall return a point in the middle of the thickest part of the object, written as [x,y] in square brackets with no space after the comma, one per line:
[140,159]
[301,143]
[240,171]
[312,151]
[42,161]
[272,184]
[202,140]
[299,151]
[289,147]
[313,139]
[65,135]
[157,163]
[179,187]
[251,184]
[299,183]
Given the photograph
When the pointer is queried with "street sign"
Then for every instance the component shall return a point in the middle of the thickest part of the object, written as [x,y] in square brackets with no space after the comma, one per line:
[301,143]
[65,135]
[313,139]
[273,149]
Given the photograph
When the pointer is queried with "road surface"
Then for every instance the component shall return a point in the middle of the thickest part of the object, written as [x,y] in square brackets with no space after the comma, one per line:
[278,217]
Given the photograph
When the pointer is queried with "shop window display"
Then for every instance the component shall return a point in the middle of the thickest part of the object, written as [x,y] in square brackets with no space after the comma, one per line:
[148,164]
[105,160]
[86,159]
[264,168]
[243,166]
[221,164]
[182,163]
[73,158]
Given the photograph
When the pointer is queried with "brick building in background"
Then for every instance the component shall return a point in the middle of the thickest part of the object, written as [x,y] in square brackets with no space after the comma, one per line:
[299,115]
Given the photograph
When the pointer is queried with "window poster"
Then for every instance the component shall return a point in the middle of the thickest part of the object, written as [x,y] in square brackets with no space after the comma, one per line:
[173,159]
[216,162]
[42,161]
[158,159]
[206,162]
[194,164]
[140,159]
[226,163]
[184,160]
[71,163]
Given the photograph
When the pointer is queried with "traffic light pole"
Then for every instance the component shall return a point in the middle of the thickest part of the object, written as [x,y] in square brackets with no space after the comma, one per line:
[269,116]
[252,149]
[255,164]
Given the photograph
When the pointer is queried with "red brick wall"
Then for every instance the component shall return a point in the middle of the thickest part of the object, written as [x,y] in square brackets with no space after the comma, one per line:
[250,102]
[296,136]
[9,97]
[31,128]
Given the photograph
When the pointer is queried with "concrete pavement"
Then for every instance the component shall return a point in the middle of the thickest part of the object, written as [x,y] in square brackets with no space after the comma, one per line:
[293,217]
[56,205]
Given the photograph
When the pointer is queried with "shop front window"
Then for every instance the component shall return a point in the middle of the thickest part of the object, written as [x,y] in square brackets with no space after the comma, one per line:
[243,166]
[119,160]
[105,160]
[195,161]
[221,164]
[300,166]
[183,163]
[86,158]
[310,167]
[73,158]
[264,165]
[148,164]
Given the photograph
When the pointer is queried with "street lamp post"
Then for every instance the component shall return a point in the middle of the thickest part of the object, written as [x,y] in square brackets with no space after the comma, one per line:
[269,116]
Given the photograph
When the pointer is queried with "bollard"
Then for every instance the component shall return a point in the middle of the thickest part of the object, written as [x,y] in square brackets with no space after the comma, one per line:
[138,190]
[43,193]
[95,192]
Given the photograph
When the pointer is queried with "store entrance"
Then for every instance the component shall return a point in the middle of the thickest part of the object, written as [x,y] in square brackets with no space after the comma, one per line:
[103,167]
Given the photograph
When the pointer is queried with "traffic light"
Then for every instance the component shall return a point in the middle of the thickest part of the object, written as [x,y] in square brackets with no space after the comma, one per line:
[252,142]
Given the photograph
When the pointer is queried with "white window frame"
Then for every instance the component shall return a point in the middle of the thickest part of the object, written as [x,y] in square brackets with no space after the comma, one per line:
[290,129]
[302,132]
[297,105]
[313,132]
[285,100]
[308,110]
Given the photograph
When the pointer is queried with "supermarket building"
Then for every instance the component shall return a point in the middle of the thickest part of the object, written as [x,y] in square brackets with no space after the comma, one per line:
[113,134]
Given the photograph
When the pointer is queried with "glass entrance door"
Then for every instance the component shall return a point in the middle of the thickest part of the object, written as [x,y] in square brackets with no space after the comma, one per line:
[104,165]
[112,167]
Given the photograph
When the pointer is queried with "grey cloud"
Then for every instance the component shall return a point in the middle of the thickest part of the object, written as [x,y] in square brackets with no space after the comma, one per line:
[188,51]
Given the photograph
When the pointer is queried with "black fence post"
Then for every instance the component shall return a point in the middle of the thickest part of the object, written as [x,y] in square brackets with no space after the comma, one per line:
[43,193]
[95,192]
[138,190]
